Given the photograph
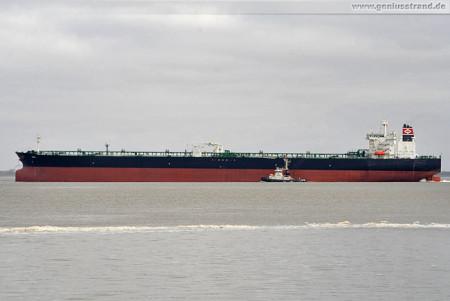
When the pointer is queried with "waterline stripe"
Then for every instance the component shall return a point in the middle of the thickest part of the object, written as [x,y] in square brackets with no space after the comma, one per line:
[346,224]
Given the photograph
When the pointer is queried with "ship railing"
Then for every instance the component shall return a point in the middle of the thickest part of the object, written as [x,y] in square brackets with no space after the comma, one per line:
[190,154]
[428,157]
[114,153]
[295,155]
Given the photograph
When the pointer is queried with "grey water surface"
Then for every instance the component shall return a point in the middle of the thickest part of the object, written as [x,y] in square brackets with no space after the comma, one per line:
[224,241]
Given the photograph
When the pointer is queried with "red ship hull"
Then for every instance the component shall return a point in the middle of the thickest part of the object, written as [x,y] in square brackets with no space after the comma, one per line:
[105,174]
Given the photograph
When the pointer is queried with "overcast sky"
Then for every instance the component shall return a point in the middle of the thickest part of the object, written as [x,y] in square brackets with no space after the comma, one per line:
[82,73]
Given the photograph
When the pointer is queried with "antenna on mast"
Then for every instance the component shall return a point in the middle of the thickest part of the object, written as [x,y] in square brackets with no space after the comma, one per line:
[384,125]
[38,140]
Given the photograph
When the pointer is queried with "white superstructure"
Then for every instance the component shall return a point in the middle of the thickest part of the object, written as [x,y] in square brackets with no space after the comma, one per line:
[197,149]
[385,145]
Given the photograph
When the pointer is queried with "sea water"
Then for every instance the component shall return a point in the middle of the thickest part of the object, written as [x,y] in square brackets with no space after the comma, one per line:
[224,241]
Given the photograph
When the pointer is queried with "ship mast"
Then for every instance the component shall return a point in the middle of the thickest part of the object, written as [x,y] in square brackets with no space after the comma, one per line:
[384,125]
[38,140]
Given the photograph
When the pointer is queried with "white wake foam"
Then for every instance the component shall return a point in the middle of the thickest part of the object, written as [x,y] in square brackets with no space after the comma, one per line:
[345,224]
[382,224]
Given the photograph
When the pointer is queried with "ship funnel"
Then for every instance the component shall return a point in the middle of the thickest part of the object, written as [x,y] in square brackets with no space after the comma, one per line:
[408,132]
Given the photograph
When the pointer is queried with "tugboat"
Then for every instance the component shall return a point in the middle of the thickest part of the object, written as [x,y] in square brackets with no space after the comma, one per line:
[282,175]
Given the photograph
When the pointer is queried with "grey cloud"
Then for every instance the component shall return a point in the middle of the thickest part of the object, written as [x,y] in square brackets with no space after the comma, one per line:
[81,75]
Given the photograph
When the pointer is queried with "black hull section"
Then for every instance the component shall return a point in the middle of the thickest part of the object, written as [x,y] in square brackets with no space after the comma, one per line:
[367,164]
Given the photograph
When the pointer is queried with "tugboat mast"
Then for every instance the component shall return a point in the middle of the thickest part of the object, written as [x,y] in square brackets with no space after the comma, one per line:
[286,163]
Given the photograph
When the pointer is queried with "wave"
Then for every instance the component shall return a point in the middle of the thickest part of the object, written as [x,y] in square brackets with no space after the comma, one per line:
[345,224]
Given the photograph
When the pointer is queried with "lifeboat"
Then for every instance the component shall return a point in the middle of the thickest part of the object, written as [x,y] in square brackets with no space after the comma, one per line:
[380,153]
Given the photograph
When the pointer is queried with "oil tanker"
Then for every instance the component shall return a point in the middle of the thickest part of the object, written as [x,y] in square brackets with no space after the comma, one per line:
[387,159]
